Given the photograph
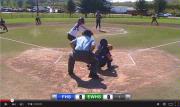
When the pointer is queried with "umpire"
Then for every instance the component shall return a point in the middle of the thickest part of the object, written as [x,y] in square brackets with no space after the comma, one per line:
[83,47]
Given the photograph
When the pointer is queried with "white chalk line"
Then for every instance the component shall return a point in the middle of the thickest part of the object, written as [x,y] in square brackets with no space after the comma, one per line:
[119,52]
[59,58]
[129,55]
[22,42]
[131,58]
[158,46]
[31,45]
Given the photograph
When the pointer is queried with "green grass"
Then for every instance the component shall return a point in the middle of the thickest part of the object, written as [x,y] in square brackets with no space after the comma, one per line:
[137,37]
[173,49]
[64,17]
[140,37]
[140,20]
[61,15]
[45,36]
[107,20]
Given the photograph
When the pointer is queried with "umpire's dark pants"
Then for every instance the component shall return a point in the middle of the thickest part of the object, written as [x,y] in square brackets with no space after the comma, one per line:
[83,56]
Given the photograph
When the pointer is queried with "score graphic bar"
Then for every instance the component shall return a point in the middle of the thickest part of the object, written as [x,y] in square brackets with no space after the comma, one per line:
[91,97]
[63,97]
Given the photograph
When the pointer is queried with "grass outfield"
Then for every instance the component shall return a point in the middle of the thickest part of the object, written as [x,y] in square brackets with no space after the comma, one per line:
[137,37]
[107,20]
[62,15]
[54,36]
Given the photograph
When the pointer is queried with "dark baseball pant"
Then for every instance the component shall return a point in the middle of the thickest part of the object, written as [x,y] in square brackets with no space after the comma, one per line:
[83,56]
[70,37]
[98,24]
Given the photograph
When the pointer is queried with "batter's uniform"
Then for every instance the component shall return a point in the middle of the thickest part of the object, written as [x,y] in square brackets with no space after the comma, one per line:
[73,33]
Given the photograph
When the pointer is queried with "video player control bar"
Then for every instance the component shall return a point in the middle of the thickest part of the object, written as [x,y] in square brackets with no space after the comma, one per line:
[91,97]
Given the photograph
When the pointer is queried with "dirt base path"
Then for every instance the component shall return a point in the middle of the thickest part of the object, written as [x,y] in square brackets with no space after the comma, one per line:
[133,70]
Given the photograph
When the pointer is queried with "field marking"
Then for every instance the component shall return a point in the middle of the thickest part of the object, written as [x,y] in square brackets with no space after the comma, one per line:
[154,47]
[22,42]
[131,58]
[33,45]
[129,55]
[58,59]
[123,31]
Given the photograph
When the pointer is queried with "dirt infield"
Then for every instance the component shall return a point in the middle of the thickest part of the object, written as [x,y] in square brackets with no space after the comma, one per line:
[149,67]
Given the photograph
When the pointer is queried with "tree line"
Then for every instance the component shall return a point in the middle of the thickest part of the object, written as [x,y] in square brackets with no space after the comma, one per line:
[84,6]
[90,6]
[158,6]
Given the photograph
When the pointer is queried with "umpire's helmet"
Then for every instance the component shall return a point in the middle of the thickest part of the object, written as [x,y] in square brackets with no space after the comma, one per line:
[87,33]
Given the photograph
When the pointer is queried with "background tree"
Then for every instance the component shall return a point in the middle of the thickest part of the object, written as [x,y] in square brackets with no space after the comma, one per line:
[91,6]
[20,3]
[85,7]
[142,7]
[30,3]
[71,7]
[159,6]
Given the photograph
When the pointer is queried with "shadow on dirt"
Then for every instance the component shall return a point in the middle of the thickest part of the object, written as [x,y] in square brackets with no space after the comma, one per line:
[90,84]
[109,72]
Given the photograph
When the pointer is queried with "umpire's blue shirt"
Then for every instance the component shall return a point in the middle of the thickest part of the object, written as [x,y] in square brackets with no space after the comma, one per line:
[83,43]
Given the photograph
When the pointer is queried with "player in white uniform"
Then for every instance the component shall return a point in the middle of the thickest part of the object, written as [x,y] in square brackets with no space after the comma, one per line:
[79,26]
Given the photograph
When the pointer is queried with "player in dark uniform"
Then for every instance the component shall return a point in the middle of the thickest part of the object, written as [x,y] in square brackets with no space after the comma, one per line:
[38,20]
[154,19]
[3,24]
[103,54]
[98,20]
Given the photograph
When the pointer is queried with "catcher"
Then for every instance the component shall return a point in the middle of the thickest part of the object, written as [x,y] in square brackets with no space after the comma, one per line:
[103,54]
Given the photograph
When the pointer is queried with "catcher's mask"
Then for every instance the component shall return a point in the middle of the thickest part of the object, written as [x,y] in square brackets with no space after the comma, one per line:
[103,42]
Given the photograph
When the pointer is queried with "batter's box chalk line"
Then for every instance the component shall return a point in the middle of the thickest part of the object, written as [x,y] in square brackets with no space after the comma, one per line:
[133,63]
[60,57]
